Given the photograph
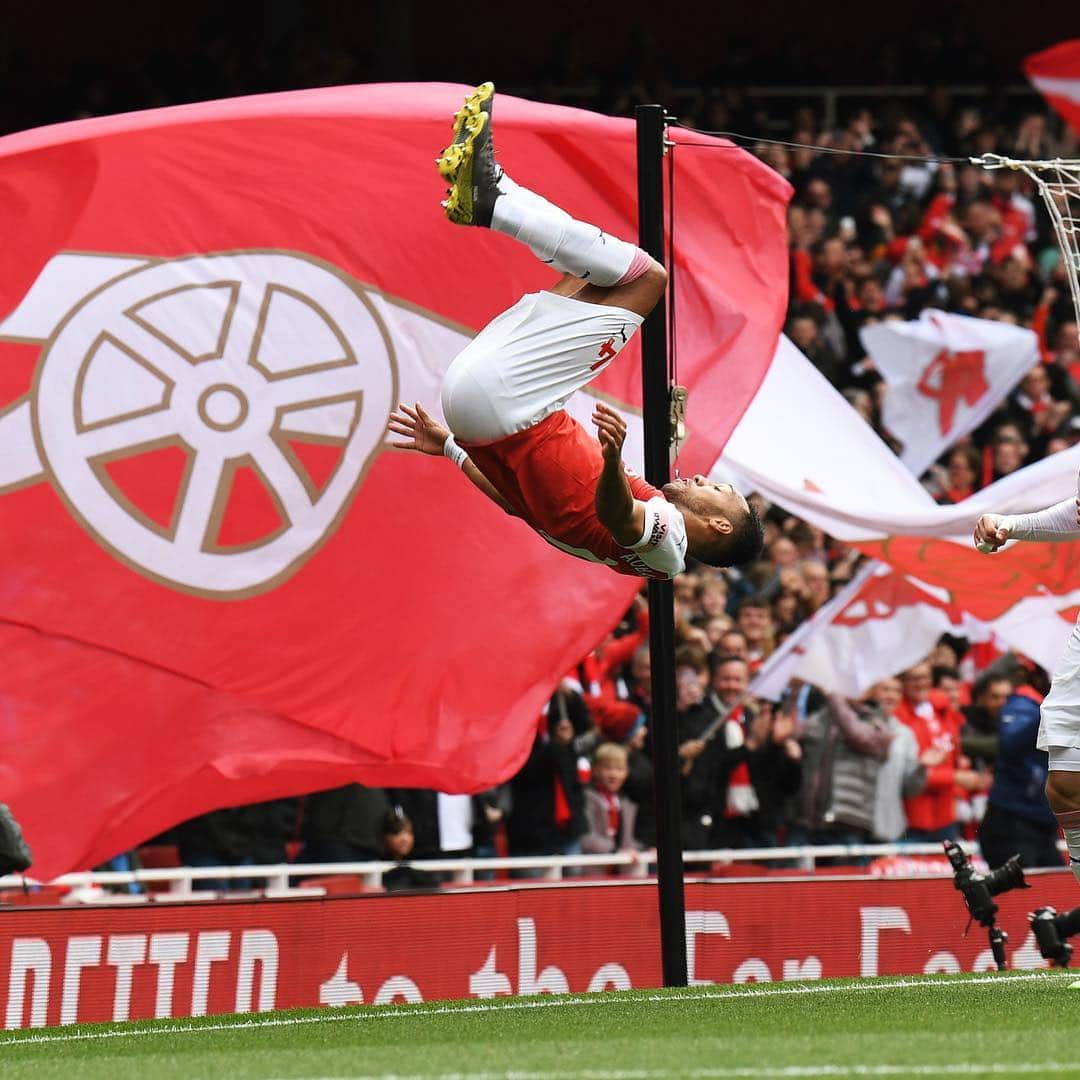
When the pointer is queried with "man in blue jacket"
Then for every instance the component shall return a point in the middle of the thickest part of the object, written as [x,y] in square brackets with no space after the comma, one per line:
[1018,819]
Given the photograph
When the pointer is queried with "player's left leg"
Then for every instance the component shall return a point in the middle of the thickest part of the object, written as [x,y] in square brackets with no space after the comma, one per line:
[599,268]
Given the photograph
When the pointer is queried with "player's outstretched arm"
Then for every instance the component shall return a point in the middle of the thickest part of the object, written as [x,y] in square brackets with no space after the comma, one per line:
[989,533]
[619,512]
[423,433]
[1058,522]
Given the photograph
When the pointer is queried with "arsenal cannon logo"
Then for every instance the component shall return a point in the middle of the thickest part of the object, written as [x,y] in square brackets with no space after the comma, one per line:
[207,419]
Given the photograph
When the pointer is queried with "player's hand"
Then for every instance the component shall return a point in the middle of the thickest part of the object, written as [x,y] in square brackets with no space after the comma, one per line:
[610,430]
[421,430]
[989,535]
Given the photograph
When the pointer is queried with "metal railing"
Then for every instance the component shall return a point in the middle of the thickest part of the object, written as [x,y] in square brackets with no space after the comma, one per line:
[279,879]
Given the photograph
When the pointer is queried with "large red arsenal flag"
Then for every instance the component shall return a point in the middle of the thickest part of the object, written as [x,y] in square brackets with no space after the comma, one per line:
[217,584]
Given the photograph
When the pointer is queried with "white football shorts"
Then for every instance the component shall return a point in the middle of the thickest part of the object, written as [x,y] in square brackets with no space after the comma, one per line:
[1059,723]
[525,364]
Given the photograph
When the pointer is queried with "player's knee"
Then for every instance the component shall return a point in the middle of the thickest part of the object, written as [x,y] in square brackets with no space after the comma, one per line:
[647,290]
[655,278]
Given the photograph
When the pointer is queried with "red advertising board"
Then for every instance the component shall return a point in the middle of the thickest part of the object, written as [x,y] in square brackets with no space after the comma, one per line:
[64,965]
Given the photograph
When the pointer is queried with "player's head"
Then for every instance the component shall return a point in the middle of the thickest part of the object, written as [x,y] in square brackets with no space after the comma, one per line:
[722,527]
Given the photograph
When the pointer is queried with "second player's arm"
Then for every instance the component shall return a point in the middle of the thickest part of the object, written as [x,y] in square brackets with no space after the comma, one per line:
[1056,523]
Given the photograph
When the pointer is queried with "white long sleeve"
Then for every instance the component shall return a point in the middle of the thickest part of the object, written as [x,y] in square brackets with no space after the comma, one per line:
[1057,522]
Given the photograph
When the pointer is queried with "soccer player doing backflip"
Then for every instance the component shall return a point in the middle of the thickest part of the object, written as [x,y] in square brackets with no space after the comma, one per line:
[503,395]
[1059,722]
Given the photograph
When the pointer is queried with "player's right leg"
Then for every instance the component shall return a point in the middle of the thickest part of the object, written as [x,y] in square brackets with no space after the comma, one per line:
[599,268]
[1063,795]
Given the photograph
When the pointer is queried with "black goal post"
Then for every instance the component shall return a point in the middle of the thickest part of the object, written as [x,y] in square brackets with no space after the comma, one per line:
[656,417]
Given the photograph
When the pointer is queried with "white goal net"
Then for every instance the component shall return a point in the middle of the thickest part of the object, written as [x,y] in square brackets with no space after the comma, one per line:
[1058,182]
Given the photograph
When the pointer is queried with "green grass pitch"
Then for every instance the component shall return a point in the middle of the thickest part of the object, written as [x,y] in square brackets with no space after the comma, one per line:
[1021,1024]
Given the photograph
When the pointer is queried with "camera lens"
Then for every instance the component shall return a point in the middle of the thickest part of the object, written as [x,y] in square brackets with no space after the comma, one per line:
[1006,877]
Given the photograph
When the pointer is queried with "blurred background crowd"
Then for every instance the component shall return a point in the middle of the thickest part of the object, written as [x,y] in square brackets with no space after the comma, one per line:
[925,755]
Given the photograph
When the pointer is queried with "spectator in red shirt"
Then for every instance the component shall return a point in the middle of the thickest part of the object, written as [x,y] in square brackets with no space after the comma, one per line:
[932,814]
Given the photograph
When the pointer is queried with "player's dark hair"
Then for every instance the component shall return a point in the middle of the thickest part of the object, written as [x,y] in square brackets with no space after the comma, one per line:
[738,547]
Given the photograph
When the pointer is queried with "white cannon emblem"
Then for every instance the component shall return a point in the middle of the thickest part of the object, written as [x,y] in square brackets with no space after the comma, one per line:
[229,362]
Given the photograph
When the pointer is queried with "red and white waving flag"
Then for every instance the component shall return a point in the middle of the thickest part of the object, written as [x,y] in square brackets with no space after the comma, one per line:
[880,623]
[846,481]
[1055,72]
[944,375]
[216,583]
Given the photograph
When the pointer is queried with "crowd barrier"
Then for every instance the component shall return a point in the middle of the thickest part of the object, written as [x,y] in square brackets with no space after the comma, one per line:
[68,964]
[278,879]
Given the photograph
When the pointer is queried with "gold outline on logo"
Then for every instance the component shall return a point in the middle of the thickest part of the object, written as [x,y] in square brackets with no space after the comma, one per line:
[204,416]
[81,427]
[348,359]
[359,289]
[223,333]
[280,435]
[99,462]
[221,503]
[42,474]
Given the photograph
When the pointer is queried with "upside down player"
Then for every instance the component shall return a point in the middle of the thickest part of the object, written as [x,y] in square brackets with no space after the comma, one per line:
[1059,720]
[503,395]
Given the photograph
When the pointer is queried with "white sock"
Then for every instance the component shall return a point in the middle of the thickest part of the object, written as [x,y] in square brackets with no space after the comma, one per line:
[554,237]
[1072,842]
[524,196]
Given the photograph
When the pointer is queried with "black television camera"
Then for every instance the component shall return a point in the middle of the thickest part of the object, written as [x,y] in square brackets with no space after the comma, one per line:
[979,891]
[1051,931]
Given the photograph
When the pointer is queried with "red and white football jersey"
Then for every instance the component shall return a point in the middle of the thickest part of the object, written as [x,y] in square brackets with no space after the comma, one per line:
[549,472]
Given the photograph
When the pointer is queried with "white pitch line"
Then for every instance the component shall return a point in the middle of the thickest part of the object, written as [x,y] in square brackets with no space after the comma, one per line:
[544,1002]
[790,1072]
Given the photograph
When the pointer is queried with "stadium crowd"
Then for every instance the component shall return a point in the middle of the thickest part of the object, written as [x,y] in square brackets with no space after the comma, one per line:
[924,754]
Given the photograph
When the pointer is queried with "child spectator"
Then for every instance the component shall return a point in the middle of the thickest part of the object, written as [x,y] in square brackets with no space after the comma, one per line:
[610,814]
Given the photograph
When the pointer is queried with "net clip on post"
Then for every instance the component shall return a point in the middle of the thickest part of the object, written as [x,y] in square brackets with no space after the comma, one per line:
[668,121]
[679,396]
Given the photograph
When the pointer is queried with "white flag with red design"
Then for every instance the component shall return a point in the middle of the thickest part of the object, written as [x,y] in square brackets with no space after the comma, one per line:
[944,375]
[1055,73]
[880,623]
[846,481]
